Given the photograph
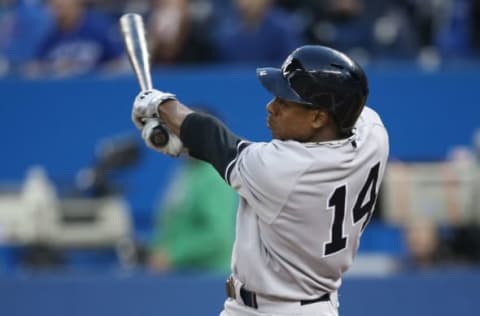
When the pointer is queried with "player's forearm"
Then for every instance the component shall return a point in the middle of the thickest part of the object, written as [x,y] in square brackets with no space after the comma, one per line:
[173,113]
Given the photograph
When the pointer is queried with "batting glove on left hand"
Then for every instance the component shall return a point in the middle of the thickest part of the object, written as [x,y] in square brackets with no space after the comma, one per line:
[146,104]
[173,147]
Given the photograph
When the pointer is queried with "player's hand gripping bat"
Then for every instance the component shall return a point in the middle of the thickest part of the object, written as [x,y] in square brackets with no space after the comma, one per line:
[133,32]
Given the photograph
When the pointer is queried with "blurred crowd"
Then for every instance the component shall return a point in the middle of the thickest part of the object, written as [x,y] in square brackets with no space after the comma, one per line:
[65,37]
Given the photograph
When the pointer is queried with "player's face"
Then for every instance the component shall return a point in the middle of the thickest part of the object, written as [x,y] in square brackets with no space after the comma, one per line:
[289,120]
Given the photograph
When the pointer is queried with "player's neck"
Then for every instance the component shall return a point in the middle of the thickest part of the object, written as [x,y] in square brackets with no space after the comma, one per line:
[325,134]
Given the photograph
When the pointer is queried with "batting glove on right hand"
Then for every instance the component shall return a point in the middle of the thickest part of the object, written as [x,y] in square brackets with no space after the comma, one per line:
[173,147]
[146,104]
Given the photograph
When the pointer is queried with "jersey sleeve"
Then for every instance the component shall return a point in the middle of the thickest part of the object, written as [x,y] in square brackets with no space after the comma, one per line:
[264,174]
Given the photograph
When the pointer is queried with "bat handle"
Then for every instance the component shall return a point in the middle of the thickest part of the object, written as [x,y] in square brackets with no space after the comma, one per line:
[159,136]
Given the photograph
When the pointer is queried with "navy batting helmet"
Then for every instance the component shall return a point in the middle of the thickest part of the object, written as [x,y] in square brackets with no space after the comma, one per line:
[320,76]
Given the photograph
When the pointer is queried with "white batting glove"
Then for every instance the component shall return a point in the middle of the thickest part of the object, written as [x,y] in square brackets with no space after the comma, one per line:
[146,105]
[174,146]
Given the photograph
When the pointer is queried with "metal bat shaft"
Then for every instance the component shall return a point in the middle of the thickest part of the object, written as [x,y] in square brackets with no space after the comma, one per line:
[133,31]
[134,37]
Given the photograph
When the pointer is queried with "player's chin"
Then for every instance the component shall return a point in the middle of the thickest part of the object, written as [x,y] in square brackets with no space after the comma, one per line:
[274,131]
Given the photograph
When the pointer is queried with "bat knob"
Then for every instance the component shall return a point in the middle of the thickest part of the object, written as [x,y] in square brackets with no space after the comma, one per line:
[159,136]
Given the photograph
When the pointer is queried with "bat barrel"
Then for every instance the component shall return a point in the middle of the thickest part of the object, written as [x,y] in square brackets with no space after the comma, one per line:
[133,31]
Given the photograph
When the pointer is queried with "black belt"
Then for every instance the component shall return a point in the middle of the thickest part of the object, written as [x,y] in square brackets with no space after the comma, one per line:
[249,298]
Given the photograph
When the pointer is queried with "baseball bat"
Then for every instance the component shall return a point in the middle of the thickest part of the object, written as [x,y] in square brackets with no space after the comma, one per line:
[133,33]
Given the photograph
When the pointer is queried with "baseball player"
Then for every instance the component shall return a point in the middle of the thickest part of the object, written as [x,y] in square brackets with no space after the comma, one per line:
[306,196]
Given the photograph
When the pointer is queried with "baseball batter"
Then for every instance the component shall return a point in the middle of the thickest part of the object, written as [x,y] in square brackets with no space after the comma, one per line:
[306,196]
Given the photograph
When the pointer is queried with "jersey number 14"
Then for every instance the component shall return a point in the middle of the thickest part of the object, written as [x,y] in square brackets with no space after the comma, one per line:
[337,202]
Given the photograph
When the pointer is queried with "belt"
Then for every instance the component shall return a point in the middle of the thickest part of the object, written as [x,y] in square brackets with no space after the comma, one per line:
[249,298]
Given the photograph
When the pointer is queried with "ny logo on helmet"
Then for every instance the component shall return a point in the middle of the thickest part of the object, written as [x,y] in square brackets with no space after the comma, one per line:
[285,66]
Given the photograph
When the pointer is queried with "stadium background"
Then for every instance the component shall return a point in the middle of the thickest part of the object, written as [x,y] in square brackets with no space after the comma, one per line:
[432,115]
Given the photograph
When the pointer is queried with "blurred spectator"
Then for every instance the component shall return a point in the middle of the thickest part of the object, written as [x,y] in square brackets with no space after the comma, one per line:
[23,26]
[363,28]
[465,244]
[448,29]
[424,247]
[255,31]
[453,36]
[424,17]
[196,225]
[7,23]
[476,26]
[81,41]
[393,34]
[429,245]
[173,35]
[343,24]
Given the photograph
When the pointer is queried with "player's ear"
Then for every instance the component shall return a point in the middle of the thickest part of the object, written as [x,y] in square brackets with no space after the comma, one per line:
[319,118]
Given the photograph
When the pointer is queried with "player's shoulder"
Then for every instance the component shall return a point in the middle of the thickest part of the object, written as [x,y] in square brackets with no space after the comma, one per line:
[276,151]
[278,157]
[371,132]
[369,117]
[293,148]
[272,167]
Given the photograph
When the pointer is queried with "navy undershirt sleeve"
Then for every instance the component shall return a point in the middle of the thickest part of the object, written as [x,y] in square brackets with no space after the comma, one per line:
[208,139]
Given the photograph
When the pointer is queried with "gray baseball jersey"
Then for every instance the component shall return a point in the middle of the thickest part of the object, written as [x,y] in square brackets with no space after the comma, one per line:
[303,206]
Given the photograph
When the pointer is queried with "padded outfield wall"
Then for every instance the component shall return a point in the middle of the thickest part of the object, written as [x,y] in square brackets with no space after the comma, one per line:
[58,123]
[440,293]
